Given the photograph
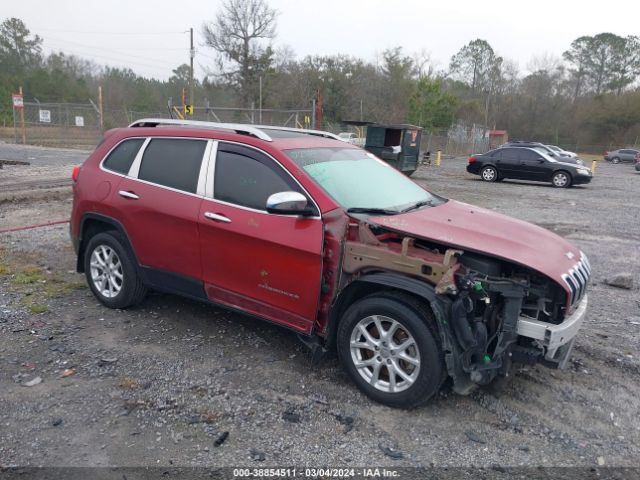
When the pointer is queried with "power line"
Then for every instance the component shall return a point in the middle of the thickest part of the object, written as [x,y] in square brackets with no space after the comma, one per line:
[108,50]
[79,32]
[122,61]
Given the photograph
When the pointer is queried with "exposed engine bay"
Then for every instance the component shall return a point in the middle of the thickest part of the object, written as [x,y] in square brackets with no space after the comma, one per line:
[484,298]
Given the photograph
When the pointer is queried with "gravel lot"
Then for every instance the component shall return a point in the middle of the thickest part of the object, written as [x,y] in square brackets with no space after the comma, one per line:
[162,383]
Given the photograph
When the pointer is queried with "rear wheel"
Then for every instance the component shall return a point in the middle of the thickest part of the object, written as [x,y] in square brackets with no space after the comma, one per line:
[111,271]
[561,179]
[489,174]
[390,348]
[408,173]
[615,160]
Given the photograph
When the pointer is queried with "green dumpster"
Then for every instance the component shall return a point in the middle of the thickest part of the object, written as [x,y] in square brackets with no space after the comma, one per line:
[398,145]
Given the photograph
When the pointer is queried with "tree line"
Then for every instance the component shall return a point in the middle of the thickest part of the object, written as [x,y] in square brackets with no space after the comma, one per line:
[589,96]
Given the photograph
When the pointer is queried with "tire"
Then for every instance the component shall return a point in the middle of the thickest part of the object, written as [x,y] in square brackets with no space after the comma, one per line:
[410,320]
[122,287]
[561,179]
[408,173]
[615,160]
[489,174]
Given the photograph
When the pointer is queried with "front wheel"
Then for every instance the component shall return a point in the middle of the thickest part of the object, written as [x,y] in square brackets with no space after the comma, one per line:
[489,174]
[561,179]
[390,348]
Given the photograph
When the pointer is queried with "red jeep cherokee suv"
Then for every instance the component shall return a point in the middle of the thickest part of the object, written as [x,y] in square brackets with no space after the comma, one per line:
[306,231]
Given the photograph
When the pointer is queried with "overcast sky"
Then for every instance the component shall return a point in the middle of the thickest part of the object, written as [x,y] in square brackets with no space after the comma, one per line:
[150,38]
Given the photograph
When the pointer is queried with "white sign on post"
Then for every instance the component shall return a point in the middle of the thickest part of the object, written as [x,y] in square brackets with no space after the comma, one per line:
[45,116]
[18,101]
[79,121]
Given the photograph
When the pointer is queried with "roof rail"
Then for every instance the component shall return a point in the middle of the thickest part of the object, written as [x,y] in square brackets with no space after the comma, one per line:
[236,127]
[319,133]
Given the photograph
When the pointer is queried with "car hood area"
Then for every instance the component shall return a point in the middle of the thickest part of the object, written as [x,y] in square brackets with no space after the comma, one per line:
[483,231]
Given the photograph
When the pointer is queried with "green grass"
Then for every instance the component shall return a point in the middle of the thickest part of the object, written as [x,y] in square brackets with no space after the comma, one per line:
[34,284]
[37,309]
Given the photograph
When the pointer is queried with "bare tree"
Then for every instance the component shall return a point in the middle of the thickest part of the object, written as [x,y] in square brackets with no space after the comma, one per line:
[476,63]
[236,34]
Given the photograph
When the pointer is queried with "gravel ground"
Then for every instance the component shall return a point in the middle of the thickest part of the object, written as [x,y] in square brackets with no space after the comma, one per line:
[163,383]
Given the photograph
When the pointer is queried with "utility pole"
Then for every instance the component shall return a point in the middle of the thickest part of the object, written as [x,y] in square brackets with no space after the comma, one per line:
[192,53]
[24,130]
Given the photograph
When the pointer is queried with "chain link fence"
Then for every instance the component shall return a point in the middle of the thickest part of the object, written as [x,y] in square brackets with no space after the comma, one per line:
[72,125]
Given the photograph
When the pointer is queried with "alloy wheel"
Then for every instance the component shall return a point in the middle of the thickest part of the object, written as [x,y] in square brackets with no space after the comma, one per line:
[560,179]
[489,174]
[106,271]
[385,353]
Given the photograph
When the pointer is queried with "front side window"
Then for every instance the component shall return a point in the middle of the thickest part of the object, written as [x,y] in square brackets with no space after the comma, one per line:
[121,157]
[173,162]
[247,178]
[357,179]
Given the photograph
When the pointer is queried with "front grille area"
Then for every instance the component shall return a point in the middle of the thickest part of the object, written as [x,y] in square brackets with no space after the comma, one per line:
[577,278]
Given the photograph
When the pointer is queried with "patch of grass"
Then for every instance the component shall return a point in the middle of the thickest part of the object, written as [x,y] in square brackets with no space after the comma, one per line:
[589,157]
[33,282]
[38,309]
[28,274]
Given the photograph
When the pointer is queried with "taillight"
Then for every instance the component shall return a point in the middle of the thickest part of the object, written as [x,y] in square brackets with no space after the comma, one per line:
[75,173]
[472,159]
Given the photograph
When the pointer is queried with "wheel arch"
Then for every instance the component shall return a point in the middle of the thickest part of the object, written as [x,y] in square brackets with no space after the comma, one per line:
[386,282]
[93,223]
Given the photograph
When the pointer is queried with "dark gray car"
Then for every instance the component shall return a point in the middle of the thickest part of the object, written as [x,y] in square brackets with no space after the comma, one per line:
[622,155]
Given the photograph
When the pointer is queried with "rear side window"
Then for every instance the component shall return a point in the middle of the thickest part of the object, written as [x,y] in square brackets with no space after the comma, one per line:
[121,157]
[528,155]
[173,162]
[244,180]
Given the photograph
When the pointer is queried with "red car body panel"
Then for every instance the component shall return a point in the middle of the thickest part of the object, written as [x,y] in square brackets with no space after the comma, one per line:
[157,210]
[269,265]
[489,233]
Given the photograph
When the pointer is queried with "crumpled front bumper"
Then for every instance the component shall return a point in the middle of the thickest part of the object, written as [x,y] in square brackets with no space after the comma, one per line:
[557,340]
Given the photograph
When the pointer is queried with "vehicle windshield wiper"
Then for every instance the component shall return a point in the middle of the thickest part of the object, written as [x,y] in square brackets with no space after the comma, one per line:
[422,203]
[379,211]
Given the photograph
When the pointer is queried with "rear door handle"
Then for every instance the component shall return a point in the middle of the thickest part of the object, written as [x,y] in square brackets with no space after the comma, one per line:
[217,217]
[131,195]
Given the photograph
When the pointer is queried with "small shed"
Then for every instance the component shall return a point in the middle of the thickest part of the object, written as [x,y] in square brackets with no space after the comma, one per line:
[497,138]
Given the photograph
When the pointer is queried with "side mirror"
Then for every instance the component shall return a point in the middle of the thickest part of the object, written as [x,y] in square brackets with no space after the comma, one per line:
[288,203]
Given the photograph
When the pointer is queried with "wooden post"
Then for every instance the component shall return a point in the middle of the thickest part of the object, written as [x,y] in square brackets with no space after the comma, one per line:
[24,130]
[101,111]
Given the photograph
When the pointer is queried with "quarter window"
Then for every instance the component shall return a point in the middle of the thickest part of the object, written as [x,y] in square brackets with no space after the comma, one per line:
[173,162]
[243,178]
[121,157]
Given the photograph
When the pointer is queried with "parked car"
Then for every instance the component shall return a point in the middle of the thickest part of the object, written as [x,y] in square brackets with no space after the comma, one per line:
[521,163]
[622,155]
[348,137]
[560,156]
[562,151]
[316,235]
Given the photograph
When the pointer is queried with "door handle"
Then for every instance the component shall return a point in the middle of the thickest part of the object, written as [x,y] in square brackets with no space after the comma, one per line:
[217,217]
[131,195]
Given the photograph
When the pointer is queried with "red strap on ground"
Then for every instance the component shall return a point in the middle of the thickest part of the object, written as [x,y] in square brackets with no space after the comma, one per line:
[29,227]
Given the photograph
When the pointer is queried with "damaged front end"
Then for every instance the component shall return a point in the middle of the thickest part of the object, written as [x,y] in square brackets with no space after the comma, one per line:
[491,313]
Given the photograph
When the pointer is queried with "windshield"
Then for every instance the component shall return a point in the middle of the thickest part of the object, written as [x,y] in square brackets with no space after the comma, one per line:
[545,154]
[356,179]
